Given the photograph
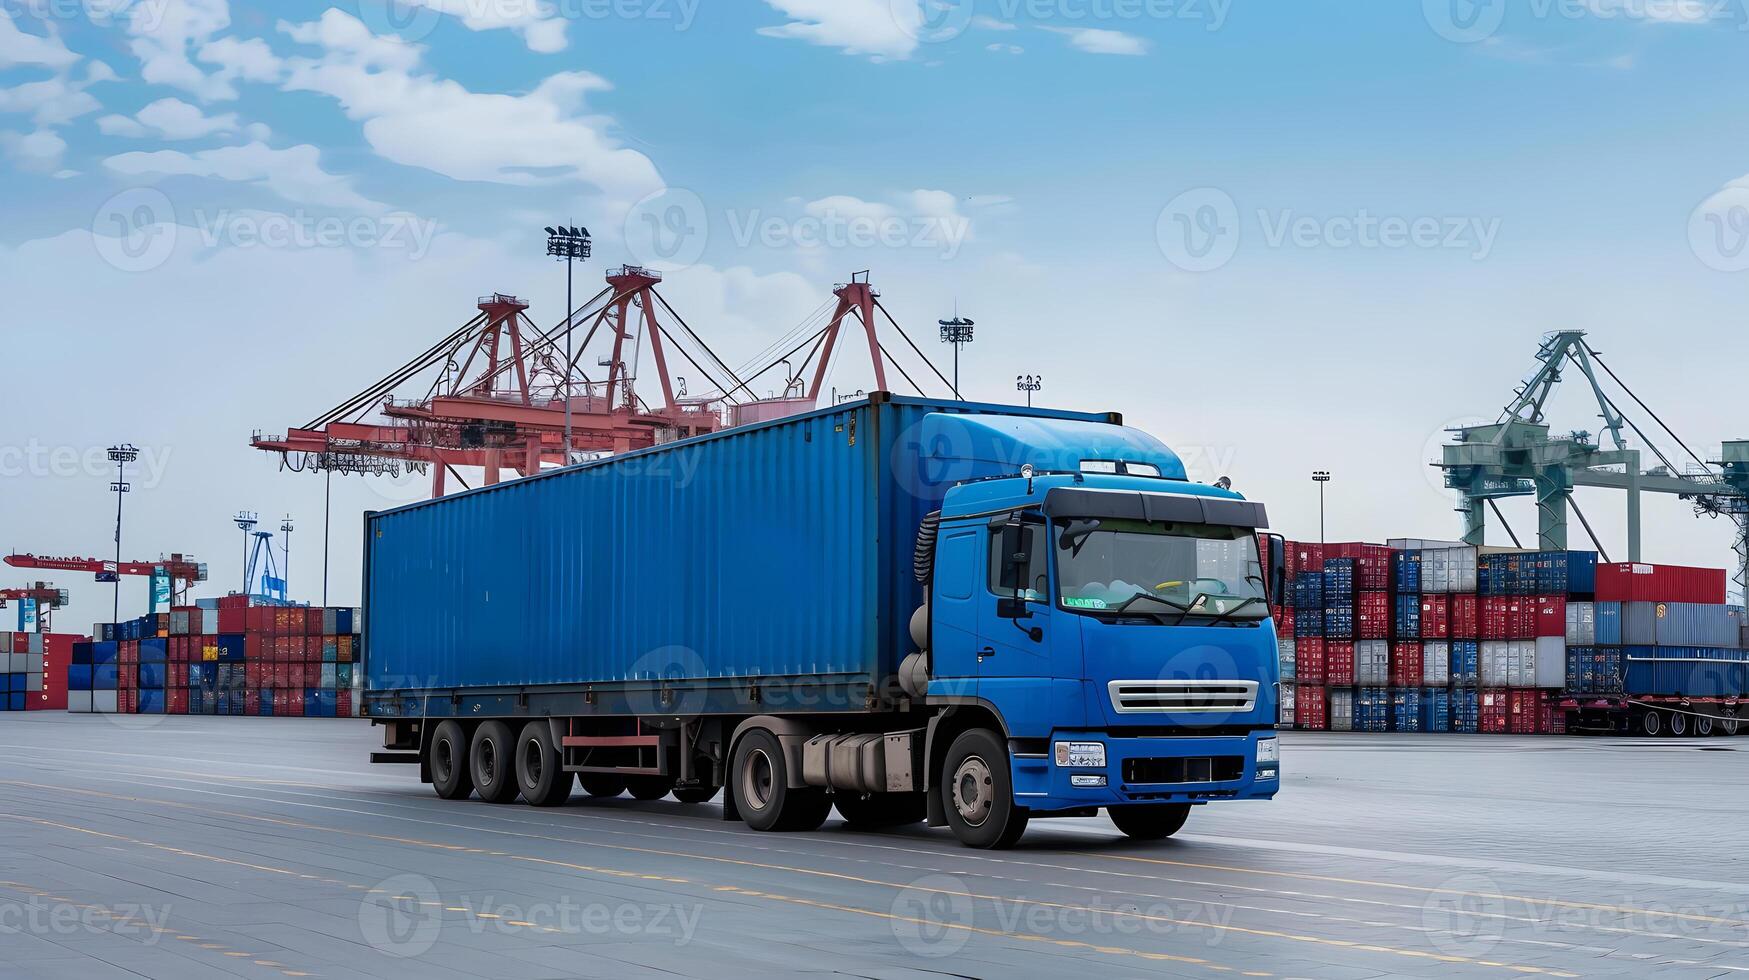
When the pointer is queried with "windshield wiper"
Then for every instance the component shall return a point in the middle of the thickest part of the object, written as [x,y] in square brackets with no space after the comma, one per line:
[1223,617]
[1181,609]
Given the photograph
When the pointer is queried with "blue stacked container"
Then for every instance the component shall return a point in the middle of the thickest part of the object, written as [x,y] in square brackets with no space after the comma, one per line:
[1435,709]
[1466,711]
[1406,572]
[1406,710]
[1466,666]
[1408,618]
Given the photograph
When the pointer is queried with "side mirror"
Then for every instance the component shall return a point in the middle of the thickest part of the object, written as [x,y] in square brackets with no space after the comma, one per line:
[1012,608]
[1017,544]
[1277,568]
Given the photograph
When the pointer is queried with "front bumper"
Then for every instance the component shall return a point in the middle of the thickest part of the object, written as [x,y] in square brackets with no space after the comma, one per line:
[1179,769]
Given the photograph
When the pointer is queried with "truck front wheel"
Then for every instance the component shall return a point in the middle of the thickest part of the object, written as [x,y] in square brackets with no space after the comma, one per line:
[493,762]
[977,792]
[540,770]
[1149,821]
[762,790]
[448,761]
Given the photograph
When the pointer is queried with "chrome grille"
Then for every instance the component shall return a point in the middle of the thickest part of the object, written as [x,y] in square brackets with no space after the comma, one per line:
[1184,697]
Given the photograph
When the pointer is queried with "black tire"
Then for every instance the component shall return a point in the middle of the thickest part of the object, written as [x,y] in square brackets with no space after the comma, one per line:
[877,810]
[447,758]
[1676,725]
[762,793]
[696,794]
[492,762]
[1651,724]
[1729,725]
[1704,727]
[649,787]
[1149,821]
[977,792]
[603,785]
[540,767]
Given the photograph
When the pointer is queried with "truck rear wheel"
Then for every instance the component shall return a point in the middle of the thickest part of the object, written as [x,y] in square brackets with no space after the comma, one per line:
[977,792]
[876,810]
[762,790]
[649,787]
[602,784]
[1651,723]
[1149,821]
[493,763]
[1703,727]
[540,770]
[1677,724]
[447,758]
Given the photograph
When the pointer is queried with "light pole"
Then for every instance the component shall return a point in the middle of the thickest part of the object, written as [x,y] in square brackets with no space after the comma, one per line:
[121,456]
[958,332]
[1320,477]
[285,573]
[570,244]
[1029,383]
[246,523]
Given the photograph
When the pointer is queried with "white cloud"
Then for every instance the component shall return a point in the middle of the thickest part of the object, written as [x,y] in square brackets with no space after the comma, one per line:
[175,120]
[420,120]
[849,208]
[115,125]
[37,151]
[19,48]
[247,58]
[1005,48]
[294,173]
[1095,40]
[1658,11]
[165,31]
[881,29]
[49,102]
[988,23]
[538,21]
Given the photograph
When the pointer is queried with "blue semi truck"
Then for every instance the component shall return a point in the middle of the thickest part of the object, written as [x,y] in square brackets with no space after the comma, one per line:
[903,609]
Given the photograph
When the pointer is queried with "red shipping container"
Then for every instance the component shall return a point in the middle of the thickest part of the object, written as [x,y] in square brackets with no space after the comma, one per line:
[252,675]
[179,675]
[1309,557]
[343,704]
[256,618]
[294,702]
[252,701]
[1311,709]
[233,602]
[1551,615]
[345,647]
[1309,660]
[1494,711]
[1284,622]
[1554,719]
[1406,664]
[252,647]
[1660,583]
[1372,615]
[20,643]
[176,700]
[1339,662]
[1435,617]
[294,675]
[1523,623]
[57,654]
[1525,712]
[127,676]
[1465,616]
[233,620]
[1494,621]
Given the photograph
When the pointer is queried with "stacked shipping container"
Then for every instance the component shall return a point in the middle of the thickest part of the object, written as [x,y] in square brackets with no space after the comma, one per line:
[222,657]
[33,670]
[1449,637]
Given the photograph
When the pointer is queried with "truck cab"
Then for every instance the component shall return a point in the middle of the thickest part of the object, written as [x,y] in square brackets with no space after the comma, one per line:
[1098,636]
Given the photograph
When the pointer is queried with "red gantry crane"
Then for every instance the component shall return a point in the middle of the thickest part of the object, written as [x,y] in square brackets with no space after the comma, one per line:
[183,570]
[48,598]
[492,394]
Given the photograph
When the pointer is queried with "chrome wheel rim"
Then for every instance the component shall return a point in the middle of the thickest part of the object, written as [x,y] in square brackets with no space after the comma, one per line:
[756,780]
[973,791]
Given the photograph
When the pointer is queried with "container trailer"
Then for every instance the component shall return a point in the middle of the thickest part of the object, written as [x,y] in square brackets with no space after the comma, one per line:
[905,609]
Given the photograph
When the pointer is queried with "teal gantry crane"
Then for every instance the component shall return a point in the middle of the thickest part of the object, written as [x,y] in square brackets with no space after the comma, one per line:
[1516,456]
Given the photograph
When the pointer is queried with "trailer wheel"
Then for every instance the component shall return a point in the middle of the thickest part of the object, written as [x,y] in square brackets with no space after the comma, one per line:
[649,787]
[1651,723]
[493,762]
[977,792]
[448,761]
[1729,725]
[876,810]
[540,769]
[605,785]
[696,794]
[1677,725]
[1704,728]
[762,790]
[1149,821]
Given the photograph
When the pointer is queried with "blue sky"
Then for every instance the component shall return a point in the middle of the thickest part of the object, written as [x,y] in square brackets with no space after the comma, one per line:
[1387,204]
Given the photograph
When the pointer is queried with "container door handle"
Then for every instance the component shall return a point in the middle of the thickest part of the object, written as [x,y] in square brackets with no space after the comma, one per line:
[986,652]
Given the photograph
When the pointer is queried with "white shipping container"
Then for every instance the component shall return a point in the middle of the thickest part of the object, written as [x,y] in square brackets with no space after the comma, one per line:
[1342,711]
[1496,664]
[1285,648]
[33,683]
[1287,704]
[1435,663]
[103,702]
[1372,663]
[1421,544]
[1448,570]
[1550,667]
[79,702]
[1523,663]
[18,663]
[1581,623]
[36,644]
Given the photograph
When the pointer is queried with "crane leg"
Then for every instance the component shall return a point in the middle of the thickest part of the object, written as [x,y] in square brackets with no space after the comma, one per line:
[1551,511]
[1475,521]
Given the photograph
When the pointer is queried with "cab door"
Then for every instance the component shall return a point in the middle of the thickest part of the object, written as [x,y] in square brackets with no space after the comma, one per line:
[956,597]
[1015,660]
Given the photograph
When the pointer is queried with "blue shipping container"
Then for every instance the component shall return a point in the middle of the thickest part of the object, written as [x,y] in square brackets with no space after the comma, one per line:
[1408,618]
[1372,709]
[1608,615]
[1406,710]
[79,677]
[1339,623]
[1338,581]
[1697,672]
[153,676]
[512,584]
[1406,572]
[1466,711]
[1435,709]
[1581,573]
[1466,661]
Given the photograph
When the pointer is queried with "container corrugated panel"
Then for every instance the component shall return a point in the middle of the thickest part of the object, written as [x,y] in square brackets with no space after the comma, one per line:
[1372,709]
[1406,710]
[1286,654]
[659,562]
[1311,708]
[1581,572]
[1581,623]
[1435,663]
[1406,572]
[1465,662]
[1550,662]
[1639,582]
[1372,662]
[1679,624]
[1341,710]
[1435,710]
[1407,624]
[1466,711]
[1701,672]
[1339,581]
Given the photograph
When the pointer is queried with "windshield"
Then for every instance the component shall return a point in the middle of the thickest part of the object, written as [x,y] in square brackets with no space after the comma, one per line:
[1134,566]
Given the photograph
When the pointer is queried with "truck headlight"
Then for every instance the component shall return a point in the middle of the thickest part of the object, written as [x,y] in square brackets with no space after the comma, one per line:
[1268,750]
[1081,755]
